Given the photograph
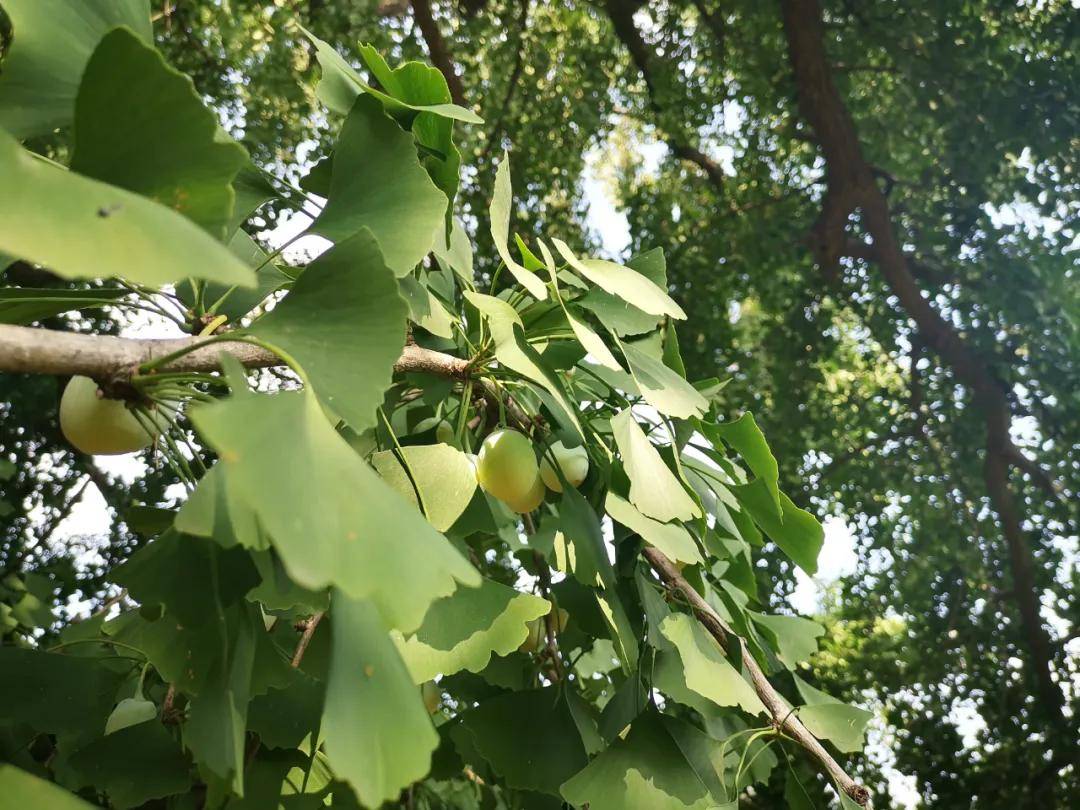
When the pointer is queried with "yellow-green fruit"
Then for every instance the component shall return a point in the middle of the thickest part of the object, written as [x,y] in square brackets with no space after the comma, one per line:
[506,466]
[533,498]
[96,425]
[432,696]
[573,461]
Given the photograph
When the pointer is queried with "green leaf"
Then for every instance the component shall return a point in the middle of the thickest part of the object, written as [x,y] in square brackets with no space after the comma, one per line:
[617,315]
[499,224]
[463,630]
[459,254]
[340,85]
[421,85]
[217,716]
[53,40]
[529,738]
[133,765]
[645,771]
[621,281]
[663,388]
[130,712]
[794,637]
[444,475]
[162,572]
[829,719]
[378,183]
[425,310]
[216,510]
[141,125]
[590,341]
[285,718]
[148,521]
[671,538]
[54,693]
[513,352]
[378,734]
[330,515]
[707,670]
[22,305]
[344,323]
[23,790]
[798,534]
[654,489]
[746,437]
[81,228]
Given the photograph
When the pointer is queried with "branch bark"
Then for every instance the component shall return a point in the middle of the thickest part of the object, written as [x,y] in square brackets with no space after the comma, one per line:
[782,717]
[437,49]
[852,185]
[621,14]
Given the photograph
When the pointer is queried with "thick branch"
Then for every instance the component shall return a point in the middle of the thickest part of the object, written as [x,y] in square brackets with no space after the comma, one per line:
[782,716]
[621,13]
[852,184]
[28,350]
[437,49]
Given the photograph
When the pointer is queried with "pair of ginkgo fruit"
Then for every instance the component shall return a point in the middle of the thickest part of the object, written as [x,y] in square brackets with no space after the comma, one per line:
[507,468]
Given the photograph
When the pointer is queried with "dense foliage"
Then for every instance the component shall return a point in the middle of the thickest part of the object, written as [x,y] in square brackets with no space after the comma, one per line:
[966,114]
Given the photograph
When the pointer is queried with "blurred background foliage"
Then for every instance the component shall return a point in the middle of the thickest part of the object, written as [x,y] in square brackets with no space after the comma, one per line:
[684,116]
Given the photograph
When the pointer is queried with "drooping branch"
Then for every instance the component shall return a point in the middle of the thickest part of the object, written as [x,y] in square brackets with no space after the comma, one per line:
[852,185]
[438,51]
[621,13]
[779,709]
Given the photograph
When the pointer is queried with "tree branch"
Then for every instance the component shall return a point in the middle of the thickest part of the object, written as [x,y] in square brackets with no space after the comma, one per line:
[621,13]
[782,716]
[108,359]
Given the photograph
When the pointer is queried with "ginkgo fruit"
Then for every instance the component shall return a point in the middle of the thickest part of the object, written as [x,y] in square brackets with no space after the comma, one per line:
[538,631]
[532,499]
[97,425]
[573,461]
[506,467]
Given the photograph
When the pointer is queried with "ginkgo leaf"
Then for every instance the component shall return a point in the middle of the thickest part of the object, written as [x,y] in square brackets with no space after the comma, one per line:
[53,40]
[499,216]
[798,533]
[344,323]
[794,638]
[444,475]
[82,228]
[20,305]
[512,352]
[654,489]
[22,789]
[425,310]
[130,712]
[746,437]
[377,733]
[671,538]
[141,125]
[378,183]
[594,345]
[340,85]
[661,386]
[529,738]
[707,670]
[133,765]
[463,630]
[458,254]
[619,280]
[331,518]
[618,316]
[830,719]
[647,770]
